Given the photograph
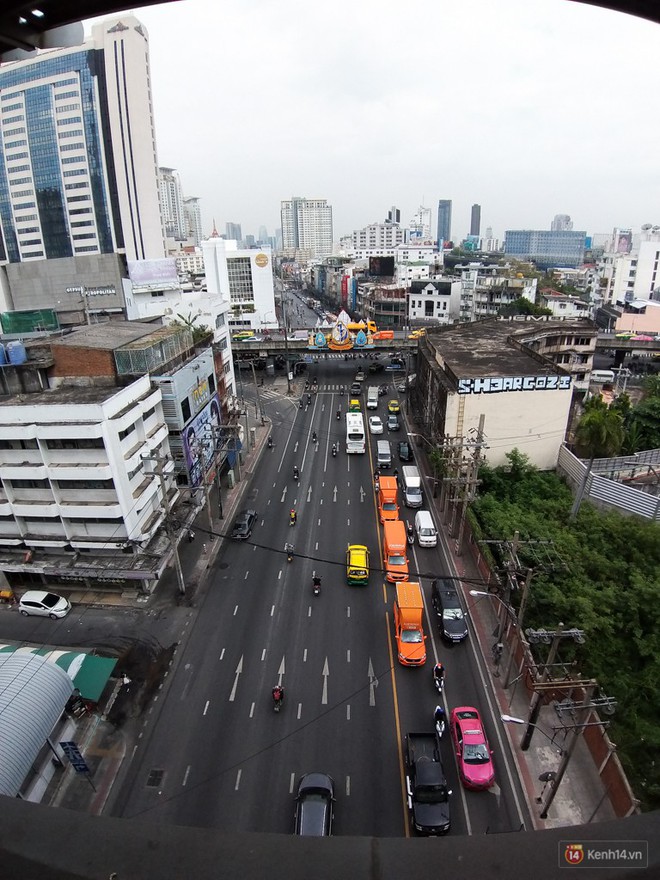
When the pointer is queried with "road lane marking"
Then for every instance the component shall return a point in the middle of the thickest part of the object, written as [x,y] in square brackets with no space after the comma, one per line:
[235,610]
[325,674]
[272,610]
[309,611]
[319,522]
[348,786]
[206,708]
[222,654]
[348,521]
[263,655]
[238,780]
[292,782]
[252,709]
[239,669]
[348,611]
[348,712]
[279,576]
[348,655]
[305,656]
[281,671]
[247,573]
[397,725]
[185,776]
[373,683]
[299,711]
[316,546]
[334,494]
[283,495]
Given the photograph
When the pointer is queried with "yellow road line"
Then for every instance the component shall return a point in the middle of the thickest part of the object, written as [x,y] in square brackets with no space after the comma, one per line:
[397,723]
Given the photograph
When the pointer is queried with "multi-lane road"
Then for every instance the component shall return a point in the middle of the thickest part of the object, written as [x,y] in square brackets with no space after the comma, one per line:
[214,753]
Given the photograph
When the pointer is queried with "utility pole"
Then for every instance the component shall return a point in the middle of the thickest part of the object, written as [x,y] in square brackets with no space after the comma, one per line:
[165,503]
[254,376]
[471,480]
[286,345]
[535,705]
[520,616]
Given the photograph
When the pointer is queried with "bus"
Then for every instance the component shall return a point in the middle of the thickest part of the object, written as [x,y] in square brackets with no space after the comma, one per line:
[355,433]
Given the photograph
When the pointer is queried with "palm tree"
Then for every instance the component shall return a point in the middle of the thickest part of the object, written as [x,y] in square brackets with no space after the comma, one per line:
[599,434]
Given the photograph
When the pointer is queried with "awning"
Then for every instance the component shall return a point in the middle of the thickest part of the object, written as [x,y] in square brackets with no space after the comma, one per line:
[88,673]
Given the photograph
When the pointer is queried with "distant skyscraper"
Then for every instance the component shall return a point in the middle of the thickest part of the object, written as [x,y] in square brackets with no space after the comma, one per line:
[233,232]
[561,223]
[475,220]
[171,201]
[193,216]
[420,226]
[307,225]
[80,177]
[394,215]
[263,234]
[444,221]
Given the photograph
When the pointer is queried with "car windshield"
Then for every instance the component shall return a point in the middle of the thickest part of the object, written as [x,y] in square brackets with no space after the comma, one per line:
[389,505]
[431,794]
[452,614]
[476,754]
[50,600]
[396,560]
[411,636]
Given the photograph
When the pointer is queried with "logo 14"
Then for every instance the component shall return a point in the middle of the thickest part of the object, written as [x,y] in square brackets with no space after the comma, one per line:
[574,853]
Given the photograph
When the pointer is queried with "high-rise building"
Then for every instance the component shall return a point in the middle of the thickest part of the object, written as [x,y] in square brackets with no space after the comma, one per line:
[171,201]
[193,216]
[546,248]
[475,220]
[233,232]
[263,234]
[307,225]
[78,172]
[420,226]
[561,223]
[444,221]
[393,215]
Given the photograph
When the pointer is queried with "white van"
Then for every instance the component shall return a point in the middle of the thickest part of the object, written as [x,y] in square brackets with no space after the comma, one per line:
[384,454]
[411,483]
[372,397]
[427,534]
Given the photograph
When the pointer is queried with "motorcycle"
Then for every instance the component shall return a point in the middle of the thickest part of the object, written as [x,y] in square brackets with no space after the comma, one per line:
[334,450]
[270,442]
[278,699]
[438,682]
[316,585]
[314,438]
[309,398]
[440,721]
[289,552]
[300,404]
[296,474]
[410,534]
[341,390]
[292,519]
[338,414]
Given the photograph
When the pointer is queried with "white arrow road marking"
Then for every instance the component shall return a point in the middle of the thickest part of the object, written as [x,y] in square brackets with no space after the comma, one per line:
[334,494]
[373,684]
[283,494]
[326,673]
[239,669]
[309,494]
[362,493]
[280,672]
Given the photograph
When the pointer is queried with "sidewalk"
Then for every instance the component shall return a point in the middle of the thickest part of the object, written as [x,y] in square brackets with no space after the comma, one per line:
[581,796]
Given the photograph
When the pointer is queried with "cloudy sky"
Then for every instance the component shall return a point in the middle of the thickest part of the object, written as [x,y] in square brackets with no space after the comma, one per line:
[530,108]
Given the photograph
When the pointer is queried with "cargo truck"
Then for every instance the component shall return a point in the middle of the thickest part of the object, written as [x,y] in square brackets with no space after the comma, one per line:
[408,624]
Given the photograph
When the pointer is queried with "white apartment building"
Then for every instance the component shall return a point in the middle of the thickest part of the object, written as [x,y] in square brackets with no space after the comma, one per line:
[307,225]
[193,215]
[434,302]
[376,235]
[563,306]
[486,289]
[406,273]
[190,264]
[419,229]
[244,279]
[623,276]
[74,475]
[171,202]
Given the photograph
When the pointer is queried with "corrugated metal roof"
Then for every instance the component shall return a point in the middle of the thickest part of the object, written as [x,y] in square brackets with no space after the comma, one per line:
[88,672]
[33,694]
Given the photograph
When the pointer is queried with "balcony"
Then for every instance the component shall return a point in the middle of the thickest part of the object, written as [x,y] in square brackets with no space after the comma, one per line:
[20,457]
[24,471]
[91,509]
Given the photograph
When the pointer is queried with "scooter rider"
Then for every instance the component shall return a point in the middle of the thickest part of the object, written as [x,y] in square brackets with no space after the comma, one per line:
[439,673]
[278,693]
[334,449]
[270,442]
[296,472]
[289,551]
[339,413]
[313,436]
[293,516]
[316,583]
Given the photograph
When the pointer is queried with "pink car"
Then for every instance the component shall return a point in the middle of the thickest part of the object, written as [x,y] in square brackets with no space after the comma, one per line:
[473,755]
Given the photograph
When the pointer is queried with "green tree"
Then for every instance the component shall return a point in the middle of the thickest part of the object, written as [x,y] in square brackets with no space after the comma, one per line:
[645,421]
[522,306]
[599,434]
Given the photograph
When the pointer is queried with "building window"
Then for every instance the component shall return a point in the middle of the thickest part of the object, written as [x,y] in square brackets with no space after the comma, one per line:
[76,132]
[30,484]
[185,409]
[149,413]
[75,172]
[239,274]
[86,484]
[123,434]
[71,443]
[69,160]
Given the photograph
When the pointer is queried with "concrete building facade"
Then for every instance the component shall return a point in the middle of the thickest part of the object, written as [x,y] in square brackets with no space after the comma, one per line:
[307,225]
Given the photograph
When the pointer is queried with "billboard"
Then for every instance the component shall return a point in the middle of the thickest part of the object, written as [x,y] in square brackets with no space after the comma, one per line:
[153,273]
[381,266]
[199,441]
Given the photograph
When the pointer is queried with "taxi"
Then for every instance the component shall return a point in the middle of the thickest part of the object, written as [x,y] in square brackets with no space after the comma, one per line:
[244,334]
[354,405]
[417,334]
[393,406]
[357,564]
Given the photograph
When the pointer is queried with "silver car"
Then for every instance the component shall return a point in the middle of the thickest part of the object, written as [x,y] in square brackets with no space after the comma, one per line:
[42,604]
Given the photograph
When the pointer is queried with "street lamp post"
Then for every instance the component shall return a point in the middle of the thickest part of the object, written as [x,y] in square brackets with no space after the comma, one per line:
[498,646]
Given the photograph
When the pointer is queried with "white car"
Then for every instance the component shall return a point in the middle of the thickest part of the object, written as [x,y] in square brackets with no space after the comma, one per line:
[43,604]
[375,425]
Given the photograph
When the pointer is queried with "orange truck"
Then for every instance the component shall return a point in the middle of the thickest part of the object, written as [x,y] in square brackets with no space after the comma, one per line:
[394,551]
[388,507]
[408,624]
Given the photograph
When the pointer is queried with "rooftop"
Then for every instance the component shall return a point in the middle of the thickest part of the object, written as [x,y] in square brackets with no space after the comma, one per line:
[65,394]
[113,334]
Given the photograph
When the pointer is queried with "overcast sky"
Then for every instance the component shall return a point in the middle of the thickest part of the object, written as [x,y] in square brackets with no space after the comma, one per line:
[530,108]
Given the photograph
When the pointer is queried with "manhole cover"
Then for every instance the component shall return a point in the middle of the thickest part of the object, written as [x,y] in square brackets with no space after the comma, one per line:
[155,778]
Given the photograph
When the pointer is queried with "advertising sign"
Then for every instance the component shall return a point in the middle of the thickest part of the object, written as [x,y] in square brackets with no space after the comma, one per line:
[151,273]
[200,437]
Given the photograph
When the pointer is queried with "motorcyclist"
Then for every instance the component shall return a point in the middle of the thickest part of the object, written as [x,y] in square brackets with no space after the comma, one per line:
[316,582]
[334,449]
[300,404]
[289,551]
[411,532]
[270,442]
[439,714]
[341,390]
[293,516]
[339,413]
[313,436]
[296,472]
[278,693]
[309,398]
[439,673]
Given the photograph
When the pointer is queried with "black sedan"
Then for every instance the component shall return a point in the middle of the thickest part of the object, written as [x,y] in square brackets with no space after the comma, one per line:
[243,525]
[314,814]
[405,451]
[356,388]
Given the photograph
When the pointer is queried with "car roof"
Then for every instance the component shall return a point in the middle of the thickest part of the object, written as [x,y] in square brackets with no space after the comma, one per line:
[37,595]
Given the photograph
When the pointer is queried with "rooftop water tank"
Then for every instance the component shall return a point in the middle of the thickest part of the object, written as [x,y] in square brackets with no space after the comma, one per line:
[16,352]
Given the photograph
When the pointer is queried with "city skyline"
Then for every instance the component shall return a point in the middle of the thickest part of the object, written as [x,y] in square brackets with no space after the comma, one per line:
[516,153]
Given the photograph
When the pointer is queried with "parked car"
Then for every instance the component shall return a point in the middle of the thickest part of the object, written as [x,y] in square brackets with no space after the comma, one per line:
[314,812]
[404,449]
[42,604]
[393,423]
[243,524]
[473,755]
[375,425]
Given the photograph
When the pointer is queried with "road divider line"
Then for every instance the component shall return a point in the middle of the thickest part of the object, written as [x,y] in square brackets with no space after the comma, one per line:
[222,654]
[348,786]
[238,780]
[239,669]
[206,708]
[272,610]
[397,726]
[235,610]
[185,775]
[263,655]
[348,711]
[252,709]
[348,655]
[299,711]
[305,656]
[292,783]
[325,674]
